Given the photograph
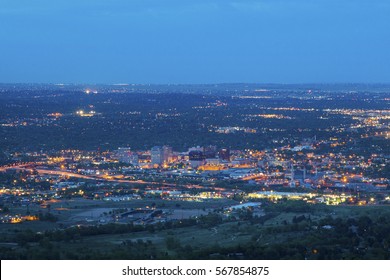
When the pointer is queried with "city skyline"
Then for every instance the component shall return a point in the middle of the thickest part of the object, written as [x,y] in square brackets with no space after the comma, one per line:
[194,172]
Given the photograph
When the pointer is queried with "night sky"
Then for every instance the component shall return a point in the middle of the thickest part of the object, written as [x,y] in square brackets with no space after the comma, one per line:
[194,41]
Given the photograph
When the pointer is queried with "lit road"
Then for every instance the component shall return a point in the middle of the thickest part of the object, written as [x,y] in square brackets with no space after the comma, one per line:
[19,166]
[76,175]
[27,167]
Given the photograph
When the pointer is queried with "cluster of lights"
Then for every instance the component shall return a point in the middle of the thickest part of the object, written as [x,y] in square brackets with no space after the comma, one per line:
[82,113]
[88,91]
[232,129]
[56,115]
[271,116]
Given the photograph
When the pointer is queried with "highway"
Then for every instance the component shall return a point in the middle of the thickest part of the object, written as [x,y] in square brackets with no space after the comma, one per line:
[28,167]
[25,167]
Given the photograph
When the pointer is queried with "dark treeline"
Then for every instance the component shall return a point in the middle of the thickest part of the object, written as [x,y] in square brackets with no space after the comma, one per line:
[363,237]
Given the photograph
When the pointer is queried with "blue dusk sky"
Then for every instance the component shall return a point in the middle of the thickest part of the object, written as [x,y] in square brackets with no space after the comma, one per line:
[194,41]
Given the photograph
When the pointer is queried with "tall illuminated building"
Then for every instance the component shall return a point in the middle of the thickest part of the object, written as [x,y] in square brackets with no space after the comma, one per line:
[196,158]
[166,154]
[125,155]
[157,156]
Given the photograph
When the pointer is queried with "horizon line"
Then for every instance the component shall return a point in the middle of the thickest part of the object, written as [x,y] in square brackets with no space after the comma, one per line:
[183,84]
